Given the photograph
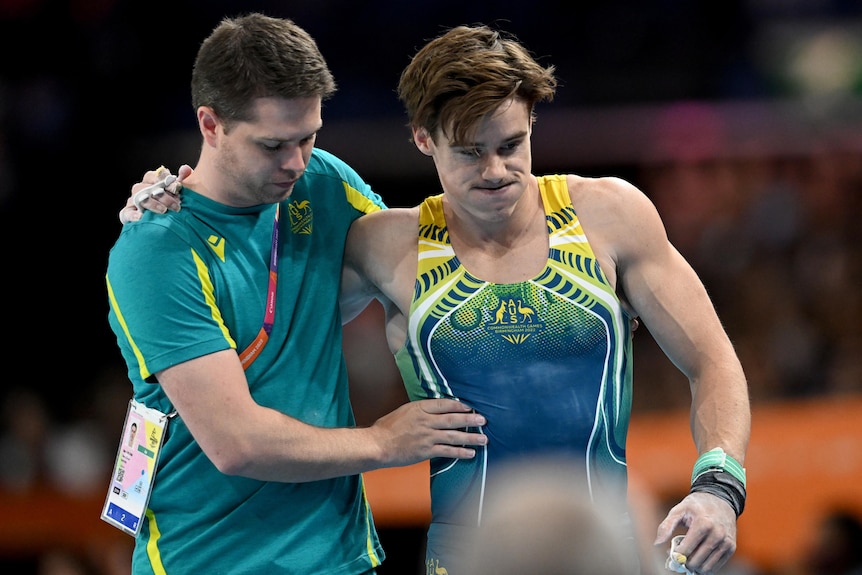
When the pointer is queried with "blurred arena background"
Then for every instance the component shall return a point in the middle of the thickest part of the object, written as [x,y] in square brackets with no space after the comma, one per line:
[741,119]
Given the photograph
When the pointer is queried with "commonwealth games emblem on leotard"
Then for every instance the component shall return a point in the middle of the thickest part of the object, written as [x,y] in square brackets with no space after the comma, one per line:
[514,321]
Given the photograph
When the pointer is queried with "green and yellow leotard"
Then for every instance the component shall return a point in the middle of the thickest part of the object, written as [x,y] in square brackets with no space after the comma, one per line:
[547,361]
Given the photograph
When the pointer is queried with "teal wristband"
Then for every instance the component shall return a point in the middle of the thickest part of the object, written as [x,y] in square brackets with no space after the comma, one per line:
[718,459]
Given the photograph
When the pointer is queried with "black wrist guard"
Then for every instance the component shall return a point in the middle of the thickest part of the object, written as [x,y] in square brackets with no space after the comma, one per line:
[723,485]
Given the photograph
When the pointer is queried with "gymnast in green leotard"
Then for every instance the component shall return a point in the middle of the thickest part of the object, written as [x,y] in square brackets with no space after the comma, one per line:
[514,294]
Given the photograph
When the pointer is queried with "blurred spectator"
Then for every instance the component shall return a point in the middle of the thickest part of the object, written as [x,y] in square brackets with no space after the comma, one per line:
[26,428]
[775,237]
[542,524]
[61,562]
[836,548]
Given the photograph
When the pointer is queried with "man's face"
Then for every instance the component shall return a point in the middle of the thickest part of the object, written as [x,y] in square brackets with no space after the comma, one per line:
[263,159]
[487,176]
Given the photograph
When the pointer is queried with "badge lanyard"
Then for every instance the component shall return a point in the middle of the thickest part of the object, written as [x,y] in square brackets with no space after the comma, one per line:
[250,353]
[134,468]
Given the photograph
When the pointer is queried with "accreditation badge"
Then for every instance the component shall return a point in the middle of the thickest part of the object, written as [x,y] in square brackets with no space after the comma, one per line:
[135,467]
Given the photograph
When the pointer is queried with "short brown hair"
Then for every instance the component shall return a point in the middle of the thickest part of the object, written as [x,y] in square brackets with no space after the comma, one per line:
[257,56]
[467,72]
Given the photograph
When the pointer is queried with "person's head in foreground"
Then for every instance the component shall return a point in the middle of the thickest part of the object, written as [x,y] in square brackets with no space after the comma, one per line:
[542,523]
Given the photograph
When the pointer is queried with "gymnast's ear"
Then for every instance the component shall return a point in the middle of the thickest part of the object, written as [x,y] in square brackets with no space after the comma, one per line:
[423,140]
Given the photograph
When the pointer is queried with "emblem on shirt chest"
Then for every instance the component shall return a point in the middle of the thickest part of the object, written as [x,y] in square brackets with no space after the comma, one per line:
[300,216]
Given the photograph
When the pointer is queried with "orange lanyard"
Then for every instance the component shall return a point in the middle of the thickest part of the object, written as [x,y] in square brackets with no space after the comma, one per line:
[251,352]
